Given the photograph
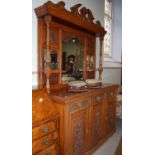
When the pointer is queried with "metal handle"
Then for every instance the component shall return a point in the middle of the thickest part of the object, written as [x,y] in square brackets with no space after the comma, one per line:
[46,129]
[99,98]
[46,141]
[111,94]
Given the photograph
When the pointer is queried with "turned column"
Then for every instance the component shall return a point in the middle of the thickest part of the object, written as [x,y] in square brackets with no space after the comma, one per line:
[100,69]
[48,20]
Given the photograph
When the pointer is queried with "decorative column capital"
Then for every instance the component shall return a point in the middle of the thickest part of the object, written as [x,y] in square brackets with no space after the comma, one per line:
[48,19]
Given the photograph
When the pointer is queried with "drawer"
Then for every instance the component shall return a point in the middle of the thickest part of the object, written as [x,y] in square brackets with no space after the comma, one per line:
[44,129]
[52,150]
[97,99]
[44,142]
[78,105]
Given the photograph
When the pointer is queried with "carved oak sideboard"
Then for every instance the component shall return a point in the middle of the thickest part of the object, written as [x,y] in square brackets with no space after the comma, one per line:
[86,119]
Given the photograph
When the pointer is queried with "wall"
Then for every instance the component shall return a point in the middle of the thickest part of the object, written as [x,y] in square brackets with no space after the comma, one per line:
[117,30]
[113,68]
[97,7]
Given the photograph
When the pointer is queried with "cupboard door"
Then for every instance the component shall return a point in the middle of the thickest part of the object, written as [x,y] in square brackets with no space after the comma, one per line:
[79,131]
[97,119]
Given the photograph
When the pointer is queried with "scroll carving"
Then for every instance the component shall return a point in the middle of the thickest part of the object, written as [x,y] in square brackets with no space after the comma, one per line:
[90,16]
[74,9]
[61,5]
[98,23]
[83,12]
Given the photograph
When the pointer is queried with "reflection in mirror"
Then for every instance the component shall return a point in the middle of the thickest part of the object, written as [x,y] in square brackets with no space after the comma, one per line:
[52,58]
[72,57]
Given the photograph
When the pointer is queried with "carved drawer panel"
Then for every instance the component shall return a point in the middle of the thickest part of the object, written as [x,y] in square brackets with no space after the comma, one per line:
[44,142]
[44,129]
[52,150]
[78,105]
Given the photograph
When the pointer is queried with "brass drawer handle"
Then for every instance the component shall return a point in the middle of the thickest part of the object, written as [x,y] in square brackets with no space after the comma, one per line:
[79,105]
[99,98]
[46,141]
[46,129]
[111,94]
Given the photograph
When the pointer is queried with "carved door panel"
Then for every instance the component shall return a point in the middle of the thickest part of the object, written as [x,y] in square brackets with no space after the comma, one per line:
[79,132]
[97,119]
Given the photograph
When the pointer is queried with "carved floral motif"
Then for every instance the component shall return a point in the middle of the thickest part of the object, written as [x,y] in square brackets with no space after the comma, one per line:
[78,136]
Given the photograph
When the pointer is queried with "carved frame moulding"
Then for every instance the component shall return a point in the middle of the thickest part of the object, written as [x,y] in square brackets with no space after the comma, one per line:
[77,16]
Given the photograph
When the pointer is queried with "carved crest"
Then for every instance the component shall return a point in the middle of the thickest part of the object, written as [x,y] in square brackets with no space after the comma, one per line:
[61,5]
[74,9]
[84,13]
[98,23]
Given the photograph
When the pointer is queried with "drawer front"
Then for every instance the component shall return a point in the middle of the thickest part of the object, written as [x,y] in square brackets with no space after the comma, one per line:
[44,142]
[45,129]
[78,105]
[52,150]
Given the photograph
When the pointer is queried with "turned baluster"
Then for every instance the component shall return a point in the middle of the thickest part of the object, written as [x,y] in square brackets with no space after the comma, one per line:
[48,20]
[100,69]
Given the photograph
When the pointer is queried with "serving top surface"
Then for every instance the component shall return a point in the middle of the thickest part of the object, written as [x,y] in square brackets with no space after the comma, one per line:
[64,95]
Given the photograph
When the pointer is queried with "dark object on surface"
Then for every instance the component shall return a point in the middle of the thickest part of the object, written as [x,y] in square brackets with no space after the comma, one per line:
[77,75]
[70,63]
[77,86]
[77,89]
